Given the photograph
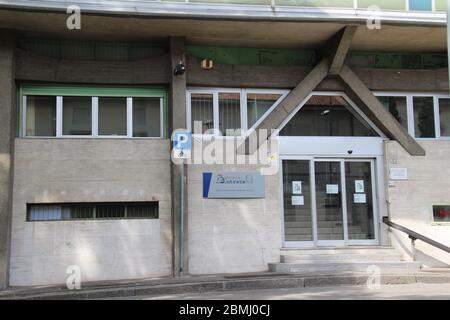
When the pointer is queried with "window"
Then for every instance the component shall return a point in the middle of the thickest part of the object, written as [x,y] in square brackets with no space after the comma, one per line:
[83,211]
[397,107]
[112,116]
[77,116]
[420,5]
[258,104]
[327,116]
[229,112]
[146,117]
[41,116]
[424,117]
[441,213]
[444,115]
[202,111]
[93,111]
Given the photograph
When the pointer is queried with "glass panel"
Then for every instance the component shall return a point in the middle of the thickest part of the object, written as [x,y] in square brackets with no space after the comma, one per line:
[258,104]
[441,213]
[297,201]
[444,112]
[327,116]
[397,107]
[41,116]
[43,212]
[108,211]
[202,110]
[230,114]
[78,211]
[146,117]
[420,5]
[77,115]
[358,181]
[112,116]
[329,201]
[143,211]
[424,117]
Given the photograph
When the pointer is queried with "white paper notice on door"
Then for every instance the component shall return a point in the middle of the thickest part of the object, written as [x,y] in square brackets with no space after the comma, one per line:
[359,198]
[298,200]
[359,186]
[297,187]
[332,189]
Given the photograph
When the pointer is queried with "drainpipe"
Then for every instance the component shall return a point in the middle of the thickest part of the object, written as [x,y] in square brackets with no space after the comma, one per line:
[182,218]
[448,38]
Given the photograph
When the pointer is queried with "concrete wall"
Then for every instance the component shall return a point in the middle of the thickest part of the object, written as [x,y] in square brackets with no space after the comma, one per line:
[7,112]
[232,235]
[411,201]
[90,170]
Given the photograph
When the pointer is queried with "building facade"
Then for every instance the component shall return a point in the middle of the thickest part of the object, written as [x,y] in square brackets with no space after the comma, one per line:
[357,91]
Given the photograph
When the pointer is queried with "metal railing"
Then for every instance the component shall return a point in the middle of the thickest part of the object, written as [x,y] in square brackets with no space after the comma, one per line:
[416,236]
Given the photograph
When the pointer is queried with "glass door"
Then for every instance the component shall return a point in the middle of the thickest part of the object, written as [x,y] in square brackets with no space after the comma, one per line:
[361,202]
[298,218]
[329,202]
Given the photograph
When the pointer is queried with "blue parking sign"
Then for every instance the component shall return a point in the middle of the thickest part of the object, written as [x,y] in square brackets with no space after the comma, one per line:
[182,144]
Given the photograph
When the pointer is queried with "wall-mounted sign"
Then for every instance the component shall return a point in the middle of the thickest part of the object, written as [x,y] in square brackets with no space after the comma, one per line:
[182,145]
[232,185]
[298,200]
[398,174]
[297,187]
[332,189]
[359,198]
[359,186]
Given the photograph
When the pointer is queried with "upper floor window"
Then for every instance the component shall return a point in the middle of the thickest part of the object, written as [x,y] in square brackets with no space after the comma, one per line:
[325,115]
[83,112]
[424,116]
[420,5]
[229,112]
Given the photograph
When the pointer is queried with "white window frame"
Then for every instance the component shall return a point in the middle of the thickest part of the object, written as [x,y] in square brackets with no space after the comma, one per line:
[94,116]
[243,108]
[410,110]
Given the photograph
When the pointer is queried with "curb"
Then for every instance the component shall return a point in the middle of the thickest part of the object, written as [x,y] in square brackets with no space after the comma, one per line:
[225,285]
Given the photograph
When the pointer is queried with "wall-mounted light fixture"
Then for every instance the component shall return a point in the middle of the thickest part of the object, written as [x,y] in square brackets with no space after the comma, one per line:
[207,64]
[180,69]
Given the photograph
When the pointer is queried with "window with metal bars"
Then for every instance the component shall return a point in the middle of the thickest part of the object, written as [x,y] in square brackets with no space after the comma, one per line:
[92,211]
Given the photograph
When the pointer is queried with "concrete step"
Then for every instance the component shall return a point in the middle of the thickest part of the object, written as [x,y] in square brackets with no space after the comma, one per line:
[340,266]
[344,250]
[346,257]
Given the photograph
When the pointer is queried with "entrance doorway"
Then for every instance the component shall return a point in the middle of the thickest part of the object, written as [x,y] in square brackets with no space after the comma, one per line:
[329,202]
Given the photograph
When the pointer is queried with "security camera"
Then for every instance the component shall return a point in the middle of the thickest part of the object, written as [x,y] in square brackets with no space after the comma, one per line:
[180,69]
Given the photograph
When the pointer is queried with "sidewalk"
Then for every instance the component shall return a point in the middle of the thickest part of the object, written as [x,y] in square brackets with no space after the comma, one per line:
[219,283]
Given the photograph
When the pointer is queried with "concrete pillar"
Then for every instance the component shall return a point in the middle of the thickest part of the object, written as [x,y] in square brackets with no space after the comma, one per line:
[178,121]
[7,128]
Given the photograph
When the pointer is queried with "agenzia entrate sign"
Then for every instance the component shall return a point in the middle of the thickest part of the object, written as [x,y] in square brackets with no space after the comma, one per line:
[233,185]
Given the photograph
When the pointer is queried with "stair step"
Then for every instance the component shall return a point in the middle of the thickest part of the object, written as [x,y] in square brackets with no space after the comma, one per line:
[305,258]
[333,267]
[347,250]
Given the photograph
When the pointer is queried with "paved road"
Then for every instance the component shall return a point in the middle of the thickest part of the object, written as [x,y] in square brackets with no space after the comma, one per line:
[410,291]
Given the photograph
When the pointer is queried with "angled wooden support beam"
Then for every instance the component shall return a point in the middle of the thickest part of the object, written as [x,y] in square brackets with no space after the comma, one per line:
[337,48]
[373,108]
[292,100]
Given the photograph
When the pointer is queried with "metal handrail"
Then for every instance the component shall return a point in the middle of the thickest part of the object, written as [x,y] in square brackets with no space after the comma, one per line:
[416,236]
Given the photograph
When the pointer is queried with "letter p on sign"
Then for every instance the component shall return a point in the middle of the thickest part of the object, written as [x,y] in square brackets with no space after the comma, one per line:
[182,145]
